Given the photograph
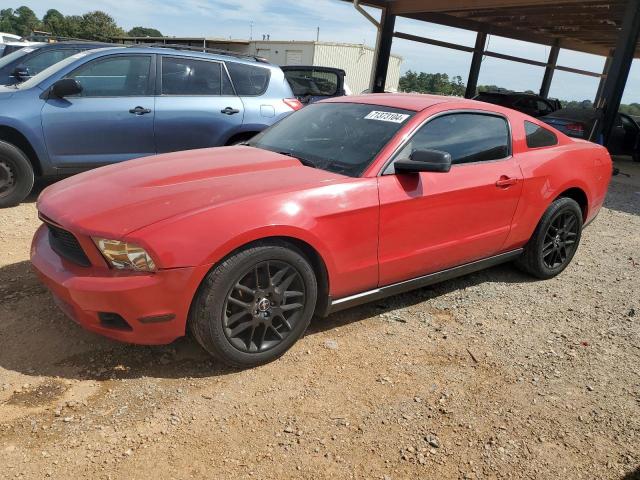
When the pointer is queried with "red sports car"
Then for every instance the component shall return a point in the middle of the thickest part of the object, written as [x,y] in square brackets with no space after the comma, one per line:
[342,202]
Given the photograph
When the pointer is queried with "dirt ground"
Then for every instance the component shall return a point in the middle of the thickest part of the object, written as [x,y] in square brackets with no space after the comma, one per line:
[493,375]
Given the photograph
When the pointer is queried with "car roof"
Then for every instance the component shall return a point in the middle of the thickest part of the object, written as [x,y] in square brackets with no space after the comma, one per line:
[186,53]
[74,43]
[405,101]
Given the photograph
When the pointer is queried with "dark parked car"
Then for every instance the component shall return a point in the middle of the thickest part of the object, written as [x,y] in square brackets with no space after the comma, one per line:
[580,123]
[27,62]
[310,84]
[528,103]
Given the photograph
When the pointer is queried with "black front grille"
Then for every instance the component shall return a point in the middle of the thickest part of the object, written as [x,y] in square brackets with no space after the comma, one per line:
[66,245]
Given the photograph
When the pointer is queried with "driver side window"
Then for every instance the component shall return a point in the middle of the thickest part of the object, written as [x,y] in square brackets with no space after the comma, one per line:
[467,137]
[116,76]
[44,60]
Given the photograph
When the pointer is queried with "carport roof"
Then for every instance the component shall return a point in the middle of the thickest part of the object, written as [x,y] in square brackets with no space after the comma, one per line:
[585,26]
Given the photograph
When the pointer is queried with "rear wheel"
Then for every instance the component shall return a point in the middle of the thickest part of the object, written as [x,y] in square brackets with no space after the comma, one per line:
[16,175]
[555,240]
[255,305]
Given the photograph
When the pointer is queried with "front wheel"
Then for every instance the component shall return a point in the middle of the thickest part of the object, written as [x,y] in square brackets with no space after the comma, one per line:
[255,305]
[554,241]
[16,175]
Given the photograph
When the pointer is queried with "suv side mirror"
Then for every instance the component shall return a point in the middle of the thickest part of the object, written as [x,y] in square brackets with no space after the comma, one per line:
[424,161]
[66,87]
[20,72]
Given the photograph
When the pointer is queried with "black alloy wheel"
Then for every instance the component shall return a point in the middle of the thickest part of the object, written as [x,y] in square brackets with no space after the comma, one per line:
[554,241]
[264,306]
[255,304]
[560,241]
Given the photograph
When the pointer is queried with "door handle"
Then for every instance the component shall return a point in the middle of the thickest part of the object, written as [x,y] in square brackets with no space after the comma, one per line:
[506,182]
[229,111]
[140,110]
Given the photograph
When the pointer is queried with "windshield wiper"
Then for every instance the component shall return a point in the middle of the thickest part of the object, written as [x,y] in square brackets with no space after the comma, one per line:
[303,161]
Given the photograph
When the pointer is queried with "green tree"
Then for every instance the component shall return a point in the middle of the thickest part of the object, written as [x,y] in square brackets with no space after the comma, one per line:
[73,26]
[54,22]
[438,83]
[99,26]
[144,32]
[7,21]
[26,21]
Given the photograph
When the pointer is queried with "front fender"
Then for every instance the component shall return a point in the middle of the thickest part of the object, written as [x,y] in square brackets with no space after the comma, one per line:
[340,222]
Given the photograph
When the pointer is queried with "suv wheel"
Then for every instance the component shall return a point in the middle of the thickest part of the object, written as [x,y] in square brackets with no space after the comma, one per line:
[255,305]
[555,240]
[16,175]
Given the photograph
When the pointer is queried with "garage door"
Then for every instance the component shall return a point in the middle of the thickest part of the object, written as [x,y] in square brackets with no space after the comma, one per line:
[293,57]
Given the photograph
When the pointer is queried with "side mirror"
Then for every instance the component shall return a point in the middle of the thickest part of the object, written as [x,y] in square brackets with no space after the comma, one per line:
[66,87]
[424,161]
[20,72]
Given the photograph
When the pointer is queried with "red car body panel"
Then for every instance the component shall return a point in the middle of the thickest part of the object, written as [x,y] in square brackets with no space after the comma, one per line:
[191,209]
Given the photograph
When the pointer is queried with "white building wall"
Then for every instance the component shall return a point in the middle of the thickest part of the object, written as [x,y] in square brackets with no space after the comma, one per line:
[356,60]
[284,53]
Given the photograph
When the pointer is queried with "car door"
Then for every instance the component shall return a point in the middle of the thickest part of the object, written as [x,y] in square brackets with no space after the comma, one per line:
[432,221]
[311,84]
[110,121]
[631,132]
[196,106]
[543,108]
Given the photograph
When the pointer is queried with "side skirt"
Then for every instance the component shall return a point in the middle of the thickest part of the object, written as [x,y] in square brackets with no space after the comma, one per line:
[419,282]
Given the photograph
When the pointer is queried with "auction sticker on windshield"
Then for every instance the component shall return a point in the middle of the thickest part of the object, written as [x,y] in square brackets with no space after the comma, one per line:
[387,116]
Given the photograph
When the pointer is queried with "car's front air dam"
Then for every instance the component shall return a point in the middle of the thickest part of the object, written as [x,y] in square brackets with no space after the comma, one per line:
[160,299]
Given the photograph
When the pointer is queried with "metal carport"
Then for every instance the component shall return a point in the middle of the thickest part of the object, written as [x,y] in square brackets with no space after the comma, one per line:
[609,28]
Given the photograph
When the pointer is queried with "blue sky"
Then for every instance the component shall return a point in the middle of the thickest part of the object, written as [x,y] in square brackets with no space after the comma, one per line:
[339,21]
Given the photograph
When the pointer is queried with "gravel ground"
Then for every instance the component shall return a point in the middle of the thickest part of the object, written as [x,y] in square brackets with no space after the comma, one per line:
[489,376]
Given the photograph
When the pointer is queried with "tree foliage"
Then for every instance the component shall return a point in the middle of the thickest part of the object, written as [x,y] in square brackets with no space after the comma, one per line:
[95,25]
[439,83]
[99,26]
[442,84]
[144,32]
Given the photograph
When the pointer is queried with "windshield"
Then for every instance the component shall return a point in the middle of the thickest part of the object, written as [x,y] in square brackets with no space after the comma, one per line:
[312,82]
[339,137]
[13,56]
[47,72]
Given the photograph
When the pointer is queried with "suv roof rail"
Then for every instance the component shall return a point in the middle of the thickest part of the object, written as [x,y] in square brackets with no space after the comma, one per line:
[191,48]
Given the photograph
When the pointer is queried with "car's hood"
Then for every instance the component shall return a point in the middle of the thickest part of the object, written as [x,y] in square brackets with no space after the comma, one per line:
[120,198]
[6,92]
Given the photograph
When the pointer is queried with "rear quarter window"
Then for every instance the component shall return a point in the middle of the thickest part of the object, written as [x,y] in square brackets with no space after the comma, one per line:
[249,80]
[538,136]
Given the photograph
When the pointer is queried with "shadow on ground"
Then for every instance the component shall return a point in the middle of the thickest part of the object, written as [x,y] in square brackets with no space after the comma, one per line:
[624,191]
[635,475]
[39,340]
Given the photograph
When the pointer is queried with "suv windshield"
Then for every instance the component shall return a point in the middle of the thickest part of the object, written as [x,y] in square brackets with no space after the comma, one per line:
[47,72]
[13,56]
[342,138]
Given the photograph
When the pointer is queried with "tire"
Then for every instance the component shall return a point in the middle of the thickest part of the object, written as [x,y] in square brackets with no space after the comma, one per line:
[635,156]
[242,139]
[242,321]
[554,241]
[16,175]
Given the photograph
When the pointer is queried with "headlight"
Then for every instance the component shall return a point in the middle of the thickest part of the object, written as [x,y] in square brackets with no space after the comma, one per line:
[125,256]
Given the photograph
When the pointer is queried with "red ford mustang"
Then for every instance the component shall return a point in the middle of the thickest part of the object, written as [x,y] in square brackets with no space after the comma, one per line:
[343,202]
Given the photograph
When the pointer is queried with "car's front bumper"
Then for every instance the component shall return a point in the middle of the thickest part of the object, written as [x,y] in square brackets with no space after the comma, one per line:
[154,306]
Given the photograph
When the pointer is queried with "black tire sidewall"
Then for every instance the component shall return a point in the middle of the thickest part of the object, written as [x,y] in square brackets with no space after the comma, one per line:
[206,322]
[536,243]
[23,171]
